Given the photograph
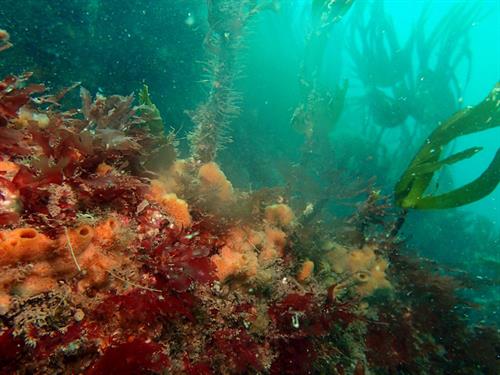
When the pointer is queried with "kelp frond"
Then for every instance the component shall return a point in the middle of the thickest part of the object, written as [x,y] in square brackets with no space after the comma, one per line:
[321,111]
[149,110]
[328,12]
[411,188]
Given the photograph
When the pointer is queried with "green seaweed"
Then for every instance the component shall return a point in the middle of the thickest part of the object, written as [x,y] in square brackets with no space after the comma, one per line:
[154,121]
[410,189]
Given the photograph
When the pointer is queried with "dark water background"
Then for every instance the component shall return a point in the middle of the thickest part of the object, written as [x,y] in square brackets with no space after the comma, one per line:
[115,46]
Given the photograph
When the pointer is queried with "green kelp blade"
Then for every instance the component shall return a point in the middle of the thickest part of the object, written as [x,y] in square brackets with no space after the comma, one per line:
[469,193]
[431,167]
[150,111]
[410,189]
[484,116]
[144,98]
[412,184]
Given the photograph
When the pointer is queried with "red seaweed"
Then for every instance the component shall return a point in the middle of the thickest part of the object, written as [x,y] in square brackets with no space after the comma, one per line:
[13,96]
[47,344]
[200,368]
[10,348]
[239,348]
[295,356]
[293,307]
[143,307]
[178,265]
[135,357]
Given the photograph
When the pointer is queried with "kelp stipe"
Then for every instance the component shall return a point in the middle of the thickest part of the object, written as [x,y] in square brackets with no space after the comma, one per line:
[319,109]
[411,188]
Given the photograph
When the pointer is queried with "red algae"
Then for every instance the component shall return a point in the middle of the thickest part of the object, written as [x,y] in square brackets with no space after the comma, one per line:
[295,356]
[237,347]
[144,307]
[13,96]
[135,357]
[178,265]
[11,347]
[196,368]
[48,343]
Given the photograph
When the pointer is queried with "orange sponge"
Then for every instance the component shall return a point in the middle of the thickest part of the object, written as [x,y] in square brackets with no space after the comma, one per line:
[177,209]
[367,269]
[228,262]
[156,190]
[279,214]
[23,244]
[238,256]
[8,169]
[83,248]
[174,207]
[173,179]
[375,278]
[80,238]
[104,169]
[212,179]
[305,271]
[34,285]
[249,251]
[106,231]
[4,302]
[273,245]
[277,238]
[96,264]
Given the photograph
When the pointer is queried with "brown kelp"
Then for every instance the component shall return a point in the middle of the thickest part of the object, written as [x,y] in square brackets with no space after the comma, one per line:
[441,52]
[403,79]
[411,188]
[381,63]
[319,109]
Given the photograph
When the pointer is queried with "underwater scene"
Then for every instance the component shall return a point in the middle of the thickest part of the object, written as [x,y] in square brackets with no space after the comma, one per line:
[249,187]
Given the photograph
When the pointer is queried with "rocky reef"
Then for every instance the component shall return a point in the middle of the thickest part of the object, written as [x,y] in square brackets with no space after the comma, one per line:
[120,252]
[117,256]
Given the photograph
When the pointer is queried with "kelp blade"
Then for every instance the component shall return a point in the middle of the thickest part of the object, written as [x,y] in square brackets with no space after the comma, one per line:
[410,189]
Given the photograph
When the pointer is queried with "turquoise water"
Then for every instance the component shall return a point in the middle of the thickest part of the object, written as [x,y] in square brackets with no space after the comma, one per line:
[318,104]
